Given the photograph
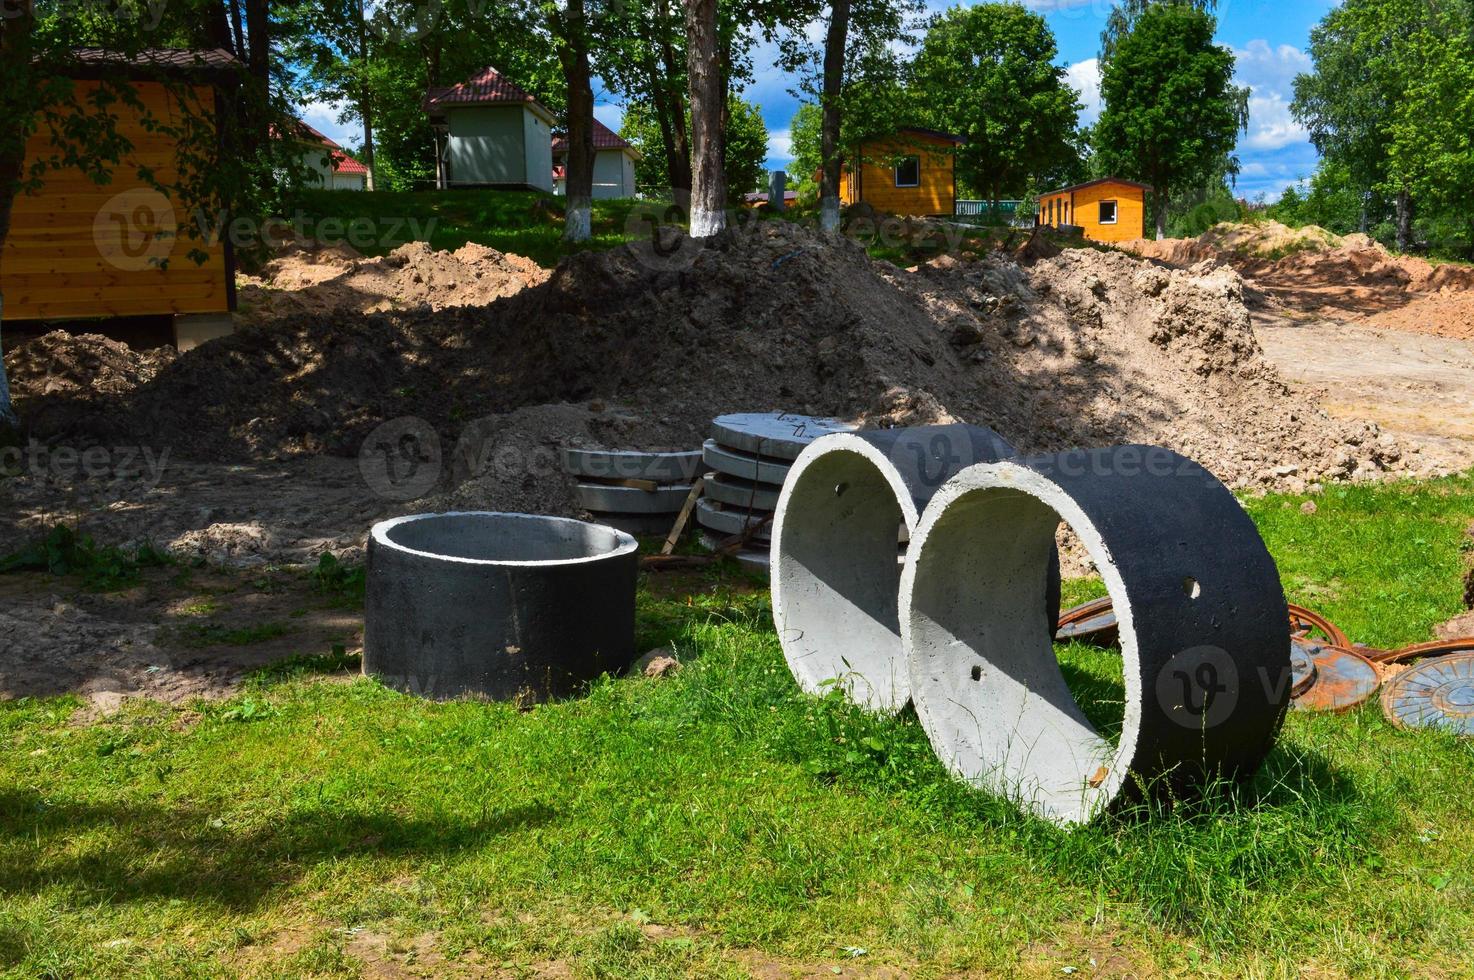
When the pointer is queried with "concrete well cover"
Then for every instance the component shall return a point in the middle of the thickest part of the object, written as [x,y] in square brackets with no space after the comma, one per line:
[617,464]
[746,466]
[780,434]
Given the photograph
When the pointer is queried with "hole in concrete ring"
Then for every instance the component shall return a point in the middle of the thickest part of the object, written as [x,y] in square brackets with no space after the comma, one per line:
[1038,724]
[1191,588]
[840,488]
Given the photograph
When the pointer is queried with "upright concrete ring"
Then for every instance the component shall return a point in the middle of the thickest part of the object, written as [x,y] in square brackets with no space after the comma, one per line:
[836,567]
[1203,627]
[500,606]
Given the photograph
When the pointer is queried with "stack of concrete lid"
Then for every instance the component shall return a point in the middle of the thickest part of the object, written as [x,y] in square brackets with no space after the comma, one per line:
[636,492]
[749,455]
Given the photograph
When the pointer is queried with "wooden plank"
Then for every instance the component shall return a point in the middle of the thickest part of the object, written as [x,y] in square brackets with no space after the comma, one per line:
[66,280]
[170,294]
[111,308]
[21,264]
[679,528]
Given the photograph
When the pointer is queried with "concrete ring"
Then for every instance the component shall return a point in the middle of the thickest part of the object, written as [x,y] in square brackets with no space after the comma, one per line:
[849,502]
[1203,626]
[499,606]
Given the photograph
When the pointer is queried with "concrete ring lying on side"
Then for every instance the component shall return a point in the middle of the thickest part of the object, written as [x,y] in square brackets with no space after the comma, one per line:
[836,568]
[1203,627]
[499,606]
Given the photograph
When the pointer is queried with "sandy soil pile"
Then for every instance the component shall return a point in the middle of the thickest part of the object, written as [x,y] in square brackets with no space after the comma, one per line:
[81,365]
[308,277]
[1343,278]
[641,346]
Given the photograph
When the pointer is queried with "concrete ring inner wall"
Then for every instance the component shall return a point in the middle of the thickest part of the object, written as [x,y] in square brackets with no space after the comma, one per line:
[492,538]
[836,577]
[984,677]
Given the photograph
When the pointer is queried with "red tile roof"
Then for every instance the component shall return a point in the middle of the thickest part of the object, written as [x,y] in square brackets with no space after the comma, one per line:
[604,139]
[342,162]
[345,164]
[489,87]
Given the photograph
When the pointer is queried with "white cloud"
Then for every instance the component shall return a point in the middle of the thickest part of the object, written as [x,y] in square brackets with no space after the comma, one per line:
[1084,77]
[1270,74]
[323,117]
[609,114]
[780,145]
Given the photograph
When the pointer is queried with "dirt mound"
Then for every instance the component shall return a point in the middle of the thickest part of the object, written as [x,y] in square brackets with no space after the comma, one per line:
[79,365]
[308,277]
[1268,239]
[1312,271]
[1081,349]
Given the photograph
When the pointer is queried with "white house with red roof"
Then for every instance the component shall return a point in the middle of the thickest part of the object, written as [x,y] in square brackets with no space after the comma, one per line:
[330,164]
[490,133]
[614,163]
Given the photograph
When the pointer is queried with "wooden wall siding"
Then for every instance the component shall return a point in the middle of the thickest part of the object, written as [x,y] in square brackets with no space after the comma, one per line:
[877,179]
[66,257]
[1082,207]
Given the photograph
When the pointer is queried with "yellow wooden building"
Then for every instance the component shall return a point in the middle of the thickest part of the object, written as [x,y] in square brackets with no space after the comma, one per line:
[912,172]
[1110,209]
[80,250]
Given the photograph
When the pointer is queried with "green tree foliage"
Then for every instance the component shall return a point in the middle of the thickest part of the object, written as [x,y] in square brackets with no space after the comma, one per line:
[746,147]
[1388,106]
[987,73]
[1124,15]
[1171,112]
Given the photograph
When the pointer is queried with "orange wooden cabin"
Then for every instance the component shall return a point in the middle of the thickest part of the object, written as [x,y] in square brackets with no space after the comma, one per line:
[80,250]
[912,172]
[1110,209]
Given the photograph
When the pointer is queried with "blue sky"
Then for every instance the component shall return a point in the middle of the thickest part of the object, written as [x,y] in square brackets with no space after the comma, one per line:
[1268,38]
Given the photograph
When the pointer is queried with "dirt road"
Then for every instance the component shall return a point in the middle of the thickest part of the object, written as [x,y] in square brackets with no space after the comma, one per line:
[1416,386]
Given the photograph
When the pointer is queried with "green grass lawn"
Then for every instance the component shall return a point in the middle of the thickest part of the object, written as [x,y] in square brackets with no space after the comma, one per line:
[717,822]
[518,222]
[509,221]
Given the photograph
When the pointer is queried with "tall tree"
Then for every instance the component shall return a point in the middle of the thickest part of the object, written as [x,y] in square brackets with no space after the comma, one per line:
[834,55]
[1368,55]
[708,99]
[1432,153]
[642,49]
[987,73]
[1125,13]
[570,28]
[856,70]
[1171,111]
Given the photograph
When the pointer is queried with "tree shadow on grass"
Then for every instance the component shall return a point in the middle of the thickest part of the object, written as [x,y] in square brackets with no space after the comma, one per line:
[186,853]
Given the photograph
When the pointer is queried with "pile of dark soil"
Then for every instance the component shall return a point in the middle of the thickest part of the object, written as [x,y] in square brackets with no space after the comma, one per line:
[1080,349]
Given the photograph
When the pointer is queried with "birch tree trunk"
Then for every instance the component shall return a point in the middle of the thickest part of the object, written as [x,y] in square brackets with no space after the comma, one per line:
[708,180]
[573,54]
[365,111]
[834,49]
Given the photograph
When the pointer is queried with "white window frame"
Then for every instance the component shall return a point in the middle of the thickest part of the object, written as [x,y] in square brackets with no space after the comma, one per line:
[896,172]
[1115,210]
